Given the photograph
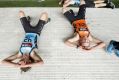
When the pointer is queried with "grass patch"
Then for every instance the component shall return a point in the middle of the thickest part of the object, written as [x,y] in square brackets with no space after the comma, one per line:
[36,3]
[31,3]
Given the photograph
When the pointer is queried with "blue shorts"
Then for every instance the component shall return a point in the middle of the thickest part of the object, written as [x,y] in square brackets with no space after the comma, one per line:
[111,48]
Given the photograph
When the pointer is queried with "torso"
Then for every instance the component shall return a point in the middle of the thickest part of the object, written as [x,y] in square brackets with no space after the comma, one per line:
[29,43]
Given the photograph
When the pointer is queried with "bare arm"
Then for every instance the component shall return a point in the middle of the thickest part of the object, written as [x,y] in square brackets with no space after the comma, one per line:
[71,42]
[99,43]
[8,60]
[36,58]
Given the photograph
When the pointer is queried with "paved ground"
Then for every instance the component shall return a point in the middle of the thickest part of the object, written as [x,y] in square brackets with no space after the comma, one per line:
[61,61]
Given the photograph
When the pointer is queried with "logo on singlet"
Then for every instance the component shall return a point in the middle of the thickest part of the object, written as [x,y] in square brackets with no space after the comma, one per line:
[29,43]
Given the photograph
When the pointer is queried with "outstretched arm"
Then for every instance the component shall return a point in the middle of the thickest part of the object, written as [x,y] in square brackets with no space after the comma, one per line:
[72,41]
[9,60]
[99,43]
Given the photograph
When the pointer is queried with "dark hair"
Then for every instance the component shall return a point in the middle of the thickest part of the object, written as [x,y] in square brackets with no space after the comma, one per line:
[25,69]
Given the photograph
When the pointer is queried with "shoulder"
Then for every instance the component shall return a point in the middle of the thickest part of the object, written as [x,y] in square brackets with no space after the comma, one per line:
[90,38]
[34,52]
[19,54]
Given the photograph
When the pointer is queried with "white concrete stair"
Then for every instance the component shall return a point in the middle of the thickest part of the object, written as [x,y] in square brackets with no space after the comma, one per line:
[61,62]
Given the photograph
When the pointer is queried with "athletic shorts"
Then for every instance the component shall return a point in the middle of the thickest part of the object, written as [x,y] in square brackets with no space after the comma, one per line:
[90,3]
[80,15]
[30,29]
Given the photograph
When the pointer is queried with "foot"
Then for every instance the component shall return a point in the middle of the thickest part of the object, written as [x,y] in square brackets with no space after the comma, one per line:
[21,14]
[110,47]
[110,5]
[60,3]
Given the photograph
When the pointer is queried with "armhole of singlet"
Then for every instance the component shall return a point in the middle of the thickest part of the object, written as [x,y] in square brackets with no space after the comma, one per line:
[20,53]
[90,38]
[31,50]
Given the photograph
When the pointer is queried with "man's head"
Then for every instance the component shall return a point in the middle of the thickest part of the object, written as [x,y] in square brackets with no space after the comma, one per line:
[84,42]
[24,61]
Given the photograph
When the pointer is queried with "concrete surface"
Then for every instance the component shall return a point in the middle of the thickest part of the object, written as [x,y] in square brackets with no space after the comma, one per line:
[61,62]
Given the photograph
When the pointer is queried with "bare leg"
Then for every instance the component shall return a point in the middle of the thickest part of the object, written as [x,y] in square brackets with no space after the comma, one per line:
[64,9]
[67,3]
[100,5]
[99,1]
[82,2]
[44,16]
[21,14]
[72,42]
[63,2]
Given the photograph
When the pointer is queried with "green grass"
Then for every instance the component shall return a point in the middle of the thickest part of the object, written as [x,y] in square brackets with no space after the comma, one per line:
[35,3]
[116,2]
[29,3]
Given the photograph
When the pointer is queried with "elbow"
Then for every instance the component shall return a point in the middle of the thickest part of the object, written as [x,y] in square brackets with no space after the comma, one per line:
[69,44]
[3,61]
[40,62]
[66,42]
[103,44]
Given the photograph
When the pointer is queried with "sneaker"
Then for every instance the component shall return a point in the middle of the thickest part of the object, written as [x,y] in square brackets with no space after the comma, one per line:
[117,53]
[110,47]
[107,1]
[110,5]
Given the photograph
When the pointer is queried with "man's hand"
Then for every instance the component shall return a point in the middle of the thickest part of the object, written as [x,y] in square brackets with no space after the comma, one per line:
[86,48]
[17,65]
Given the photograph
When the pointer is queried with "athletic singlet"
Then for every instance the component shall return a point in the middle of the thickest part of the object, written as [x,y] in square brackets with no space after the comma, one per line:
[81,27]
[29,43]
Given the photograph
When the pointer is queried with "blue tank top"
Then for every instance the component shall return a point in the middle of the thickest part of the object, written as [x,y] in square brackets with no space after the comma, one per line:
[29,43]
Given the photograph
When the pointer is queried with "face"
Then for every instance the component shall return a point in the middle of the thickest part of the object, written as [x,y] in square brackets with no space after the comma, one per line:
[25,60]
[85,42]
[22,62]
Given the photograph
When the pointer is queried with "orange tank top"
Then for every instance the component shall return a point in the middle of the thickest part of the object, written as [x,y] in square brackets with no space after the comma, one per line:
[81,27]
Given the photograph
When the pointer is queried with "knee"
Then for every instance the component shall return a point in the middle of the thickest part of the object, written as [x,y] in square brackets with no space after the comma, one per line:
[64,10]
[21,14]
[44,13]
[44,16]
